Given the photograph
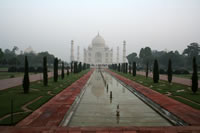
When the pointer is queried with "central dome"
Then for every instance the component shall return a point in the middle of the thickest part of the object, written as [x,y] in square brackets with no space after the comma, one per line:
[98,41]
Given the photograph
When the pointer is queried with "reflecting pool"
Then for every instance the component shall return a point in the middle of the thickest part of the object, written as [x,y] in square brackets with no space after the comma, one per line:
[96,108]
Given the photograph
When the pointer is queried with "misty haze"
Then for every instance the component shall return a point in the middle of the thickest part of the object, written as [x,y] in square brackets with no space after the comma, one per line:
[99,66]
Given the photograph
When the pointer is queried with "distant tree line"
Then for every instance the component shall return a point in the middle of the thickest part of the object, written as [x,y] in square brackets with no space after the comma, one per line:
[15,62]
[181,61]
[156,60]
[11,58]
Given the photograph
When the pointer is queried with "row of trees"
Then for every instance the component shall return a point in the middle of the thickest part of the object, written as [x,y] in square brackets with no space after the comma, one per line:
[77,68]
[11,58]
[132,70]
[180,61]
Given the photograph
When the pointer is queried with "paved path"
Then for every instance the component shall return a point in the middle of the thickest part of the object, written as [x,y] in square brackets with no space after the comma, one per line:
[183,81]
[12,82]
[179,129]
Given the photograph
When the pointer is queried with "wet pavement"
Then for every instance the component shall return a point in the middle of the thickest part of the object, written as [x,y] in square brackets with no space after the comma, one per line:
[97,109]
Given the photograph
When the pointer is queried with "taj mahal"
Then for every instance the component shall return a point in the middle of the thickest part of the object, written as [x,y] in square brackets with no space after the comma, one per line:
[98,52]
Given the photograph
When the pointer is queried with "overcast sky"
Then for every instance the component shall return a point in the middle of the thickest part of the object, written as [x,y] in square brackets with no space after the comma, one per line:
[49,25]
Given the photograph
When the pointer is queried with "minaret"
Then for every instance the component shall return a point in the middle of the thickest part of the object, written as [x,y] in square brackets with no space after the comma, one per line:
[84,55]
[78,58]
[117,61]
[72,50]
[111,58]
[124,51]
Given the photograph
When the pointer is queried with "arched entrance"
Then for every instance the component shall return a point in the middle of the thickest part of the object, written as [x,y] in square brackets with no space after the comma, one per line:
[98,57]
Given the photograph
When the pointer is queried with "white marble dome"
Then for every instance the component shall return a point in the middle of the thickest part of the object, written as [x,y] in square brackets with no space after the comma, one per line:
[98,41]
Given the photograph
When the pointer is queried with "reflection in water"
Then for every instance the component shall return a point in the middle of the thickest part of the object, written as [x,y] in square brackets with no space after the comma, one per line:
[107,88]
[117,118]
[110,100]
[123,90]
[98,106]
[97,85]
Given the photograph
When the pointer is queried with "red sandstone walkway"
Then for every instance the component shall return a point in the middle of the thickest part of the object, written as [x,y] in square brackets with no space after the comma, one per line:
[183,81]
[186,113]
[52,112]
[187,129]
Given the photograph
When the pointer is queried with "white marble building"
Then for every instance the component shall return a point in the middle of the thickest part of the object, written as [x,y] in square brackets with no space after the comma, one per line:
[98,53]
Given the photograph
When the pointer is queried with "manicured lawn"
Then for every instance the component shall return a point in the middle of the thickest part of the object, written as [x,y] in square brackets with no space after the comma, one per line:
[178,92]
[36,90]
[5,69]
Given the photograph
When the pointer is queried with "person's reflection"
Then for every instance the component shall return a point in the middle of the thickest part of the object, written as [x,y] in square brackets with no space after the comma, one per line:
[118,119]
[110,100]
[107,88]
[97,85]
[123,90]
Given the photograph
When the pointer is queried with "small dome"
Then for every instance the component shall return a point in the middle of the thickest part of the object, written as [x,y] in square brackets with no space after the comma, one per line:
[98,41]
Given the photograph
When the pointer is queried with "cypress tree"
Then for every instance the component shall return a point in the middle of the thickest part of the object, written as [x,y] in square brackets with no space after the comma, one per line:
[119,67]
[67,71]
[122,70]
[71,67]
[134,68]
[194,76]
[75,67]
[169,71]
[155,72]
[126,67]
[45,71]
[55,69]
[79,67]
[63,71]
[129,69]
[147,70]
[26,82]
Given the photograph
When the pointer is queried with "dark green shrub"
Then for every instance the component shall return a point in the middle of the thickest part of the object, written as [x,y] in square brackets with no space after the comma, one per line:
[55,70]
[26,82]
[62,71]
[194,76]
[169,71]
[155,72]
[45,71]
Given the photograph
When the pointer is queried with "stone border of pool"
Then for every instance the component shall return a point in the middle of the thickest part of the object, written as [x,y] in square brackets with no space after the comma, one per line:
[67,118]
[186,113]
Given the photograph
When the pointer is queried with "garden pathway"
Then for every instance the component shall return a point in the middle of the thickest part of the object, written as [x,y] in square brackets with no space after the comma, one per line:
[12,82]
[178,80]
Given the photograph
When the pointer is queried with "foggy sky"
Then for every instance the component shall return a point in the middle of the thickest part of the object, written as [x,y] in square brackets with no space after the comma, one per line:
[49,25]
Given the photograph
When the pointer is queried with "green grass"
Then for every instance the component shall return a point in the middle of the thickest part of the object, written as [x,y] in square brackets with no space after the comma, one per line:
[164,87]
[4,69]
[36,90]
[16,119]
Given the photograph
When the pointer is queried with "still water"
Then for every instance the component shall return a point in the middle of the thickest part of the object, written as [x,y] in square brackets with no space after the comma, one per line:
[96,108]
